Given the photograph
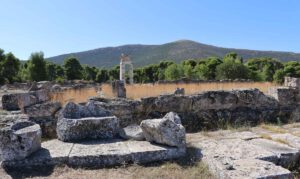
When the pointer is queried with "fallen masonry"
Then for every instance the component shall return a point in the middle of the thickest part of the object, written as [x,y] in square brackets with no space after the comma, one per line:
[87,137]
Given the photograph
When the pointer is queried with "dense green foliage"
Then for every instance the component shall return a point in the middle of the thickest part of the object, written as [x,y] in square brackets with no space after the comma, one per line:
[73,69]
[37,67]
[211,68]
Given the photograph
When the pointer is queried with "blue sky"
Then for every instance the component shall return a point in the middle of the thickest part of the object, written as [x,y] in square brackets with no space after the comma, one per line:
[63,26]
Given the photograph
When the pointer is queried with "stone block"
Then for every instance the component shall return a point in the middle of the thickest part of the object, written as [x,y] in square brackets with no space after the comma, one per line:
[167,130]
[19,140]
[284,95]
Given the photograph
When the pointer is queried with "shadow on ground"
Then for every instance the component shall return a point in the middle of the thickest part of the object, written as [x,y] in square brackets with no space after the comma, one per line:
[192,157]
[20,173]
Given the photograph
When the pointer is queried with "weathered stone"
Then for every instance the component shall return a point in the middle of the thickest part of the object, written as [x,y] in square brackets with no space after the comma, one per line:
[56,88]
[288,139]
[173,117]
[97,153]
[284,95]
[10,102]
[42,110]
[44,115]
[179,91]
[78,122]
[91,109]
[287,155]
[128,111]
[119,89]
[33,87]
[292,82]
[167,131]
[10,119]
[207,110]
[230,156]
[17,101]
[133,132]
[248,169]
[19,140]
[87,128]
[53,152]
[46,85]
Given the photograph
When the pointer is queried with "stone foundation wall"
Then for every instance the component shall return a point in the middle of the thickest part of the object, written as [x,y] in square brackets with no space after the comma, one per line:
[207,110]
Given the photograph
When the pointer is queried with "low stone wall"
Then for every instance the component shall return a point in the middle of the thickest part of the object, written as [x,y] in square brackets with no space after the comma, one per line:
[207,110]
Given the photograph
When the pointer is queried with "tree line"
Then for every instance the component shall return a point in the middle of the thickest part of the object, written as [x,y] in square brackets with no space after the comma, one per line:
[231,66]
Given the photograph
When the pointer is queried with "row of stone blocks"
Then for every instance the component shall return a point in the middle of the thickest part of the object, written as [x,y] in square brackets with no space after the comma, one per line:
[20,142]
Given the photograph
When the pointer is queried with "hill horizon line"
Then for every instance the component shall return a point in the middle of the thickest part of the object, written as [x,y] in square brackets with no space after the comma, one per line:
[143,54]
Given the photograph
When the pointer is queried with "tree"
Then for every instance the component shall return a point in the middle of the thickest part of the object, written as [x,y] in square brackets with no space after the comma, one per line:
[114,73]
[10,67]
[102,76]
[268,73]
[279,76]
[173,72]
[2,57]
[51,71]
[233,57]
[202,72]
[89,73]
[59,71]
[232,70]
[188,71]
[72,69]
[212,63]
[37,67]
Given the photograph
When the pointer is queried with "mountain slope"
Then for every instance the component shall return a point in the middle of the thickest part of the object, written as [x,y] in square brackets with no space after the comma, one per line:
[179,50]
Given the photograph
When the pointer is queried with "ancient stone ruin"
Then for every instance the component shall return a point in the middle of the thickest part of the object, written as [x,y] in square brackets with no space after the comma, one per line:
[125,61]
[107,132]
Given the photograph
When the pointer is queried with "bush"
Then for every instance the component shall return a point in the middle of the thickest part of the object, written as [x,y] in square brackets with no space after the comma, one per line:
[232,70]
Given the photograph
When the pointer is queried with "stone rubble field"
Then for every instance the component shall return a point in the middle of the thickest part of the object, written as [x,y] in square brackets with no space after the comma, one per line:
[36,132]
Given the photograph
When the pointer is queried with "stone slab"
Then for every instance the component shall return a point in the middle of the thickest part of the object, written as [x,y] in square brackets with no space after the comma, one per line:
[97,153]
[52,152]
[286,154]
[253,168]
[290,139]
[236,156]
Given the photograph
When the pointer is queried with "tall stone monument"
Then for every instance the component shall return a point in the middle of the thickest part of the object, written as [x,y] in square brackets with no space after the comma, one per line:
[125,60]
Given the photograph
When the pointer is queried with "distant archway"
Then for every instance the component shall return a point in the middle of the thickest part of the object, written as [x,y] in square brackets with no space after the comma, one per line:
[125,60]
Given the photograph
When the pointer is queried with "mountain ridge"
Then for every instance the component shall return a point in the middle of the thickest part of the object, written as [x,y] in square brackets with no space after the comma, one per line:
[178,50]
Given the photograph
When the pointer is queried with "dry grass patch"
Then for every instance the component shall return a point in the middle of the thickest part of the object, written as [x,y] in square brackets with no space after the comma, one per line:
[273,128]
[282,141]
[189,166]
[266,136]
[167,170]
[137,91]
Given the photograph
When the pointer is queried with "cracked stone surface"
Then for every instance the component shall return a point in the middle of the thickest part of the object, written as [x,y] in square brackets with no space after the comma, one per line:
[260,152]
[97,153]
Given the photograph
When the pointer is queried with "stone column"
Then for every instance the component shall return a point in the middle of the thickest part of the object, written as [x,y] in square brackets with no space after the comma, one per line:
[130,73]
[122,71]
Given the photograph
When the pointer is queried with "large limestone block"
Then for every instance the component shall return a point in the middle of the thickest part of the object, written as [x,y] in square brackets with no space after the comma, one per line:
[87,128]
[10,102]
[167,130]
[19,140]
[77,122]
[42,110]
[18,101]
[284,95]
